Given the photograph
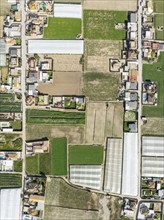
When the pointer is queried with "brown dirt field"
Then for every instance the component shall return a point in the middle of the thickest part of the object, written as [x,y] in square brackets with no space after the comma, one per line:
[74,134]
[154,126]
[98,52]
[114,5]
[103,122]
[64,83]
[66,63]
[1,26]
[4,7]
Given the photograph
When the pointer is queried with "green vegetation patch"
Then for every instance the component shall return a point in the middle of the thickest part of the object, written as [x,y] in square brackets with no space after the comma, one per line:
[10,142]
[159,6]
[101,86]
[18,166]
[159,26]
[4,74]
[54,117]
[154,72]
[59,156]
[8,104]
[130,116]
[62,28]
[16,125]
[101,24]
[10,180]
[52,163]
[85,154]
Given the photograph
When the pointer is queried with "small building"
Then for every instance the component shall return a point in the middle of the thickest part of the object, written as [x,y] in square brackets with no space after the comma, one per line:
[131,86]
[131,96]
[37,146]
[131,105]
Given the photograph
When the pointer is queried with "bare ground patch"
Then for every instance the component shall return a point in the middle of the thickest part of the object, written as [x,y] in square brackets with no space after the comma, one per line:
[103,120]
[115,5]
[101,86]
[74,134]
[98,52]
[64,83]
[67,63]
[154,126]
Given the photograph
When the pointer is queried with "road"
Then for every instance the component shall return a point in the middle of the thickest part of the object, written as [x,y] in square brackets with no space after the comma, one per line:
[23,88]
[139,88]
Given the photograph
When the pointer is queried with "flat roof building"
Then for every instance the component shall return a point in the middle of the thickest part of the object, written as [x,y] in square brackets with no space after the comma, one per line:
[56,46]
[67,10]
[130,165]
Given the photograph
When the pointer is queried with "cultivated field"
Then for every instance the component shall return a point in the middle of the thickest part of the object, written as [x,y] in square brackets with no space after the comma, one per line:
[76,198]
[159,26]
[1,26]
[74,134]
[62,28]
[10,142]
[154,126]
[64,83]
[114,5]
[101,24]
[52,163]
[85,154]
[98,52]
[154,72]
[54,117]
[17,165]
[8,104]
[66,63]
[103,121]
[10,180]
[101,86]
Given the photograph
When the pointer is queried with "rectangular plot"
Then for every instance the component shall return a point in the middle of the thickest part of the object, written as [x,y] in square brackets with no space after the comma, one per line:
[153,167]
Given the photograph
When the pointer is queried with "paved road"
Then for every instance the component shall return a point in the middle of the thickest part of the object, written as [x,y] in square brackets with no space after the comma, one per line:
[23,87]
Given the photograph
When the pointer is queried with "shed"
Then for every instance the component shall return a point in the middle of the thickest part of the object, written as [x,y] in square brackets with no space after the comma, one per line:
[68,10]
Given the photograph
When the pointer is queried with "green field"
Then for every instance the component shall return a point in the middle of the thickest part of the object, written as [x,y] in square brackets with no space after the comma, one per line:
[159,6]
[16,125]
[10,142]
[101,24]
[85,154]
[8,104]
[97,86]
[54,117]
[10,180]
[159,23]
[52,163]
[18,166]
[62,28]
[150,72]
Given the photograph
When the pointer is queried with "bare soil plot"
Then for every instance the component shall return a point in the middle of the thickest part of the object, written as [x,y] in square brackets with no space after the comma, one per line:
[64,83]
[154,126]
[115,5]
[74,134]
[1,25]
[101,86]
[103,120]
[98,53]
[66,63]
[4,7]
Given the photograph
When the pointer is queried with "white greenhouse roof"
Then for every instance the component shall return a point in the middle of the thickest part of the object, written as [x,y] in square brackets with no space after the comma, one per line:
[10,204]
[153,166]
[86,175]
[56,46]
[152,146]
[68,10]
[130,165]
[113,166]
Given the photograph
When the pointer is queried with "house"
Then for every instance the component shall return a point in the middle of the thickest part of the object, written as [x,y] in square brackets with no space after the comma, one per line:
[131,96]
[147,44]
[13,31]
[133,126]
[131,105]
[32,89]
[33,76]
[2,52]
[133,17]
[131,86]
[37,146]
